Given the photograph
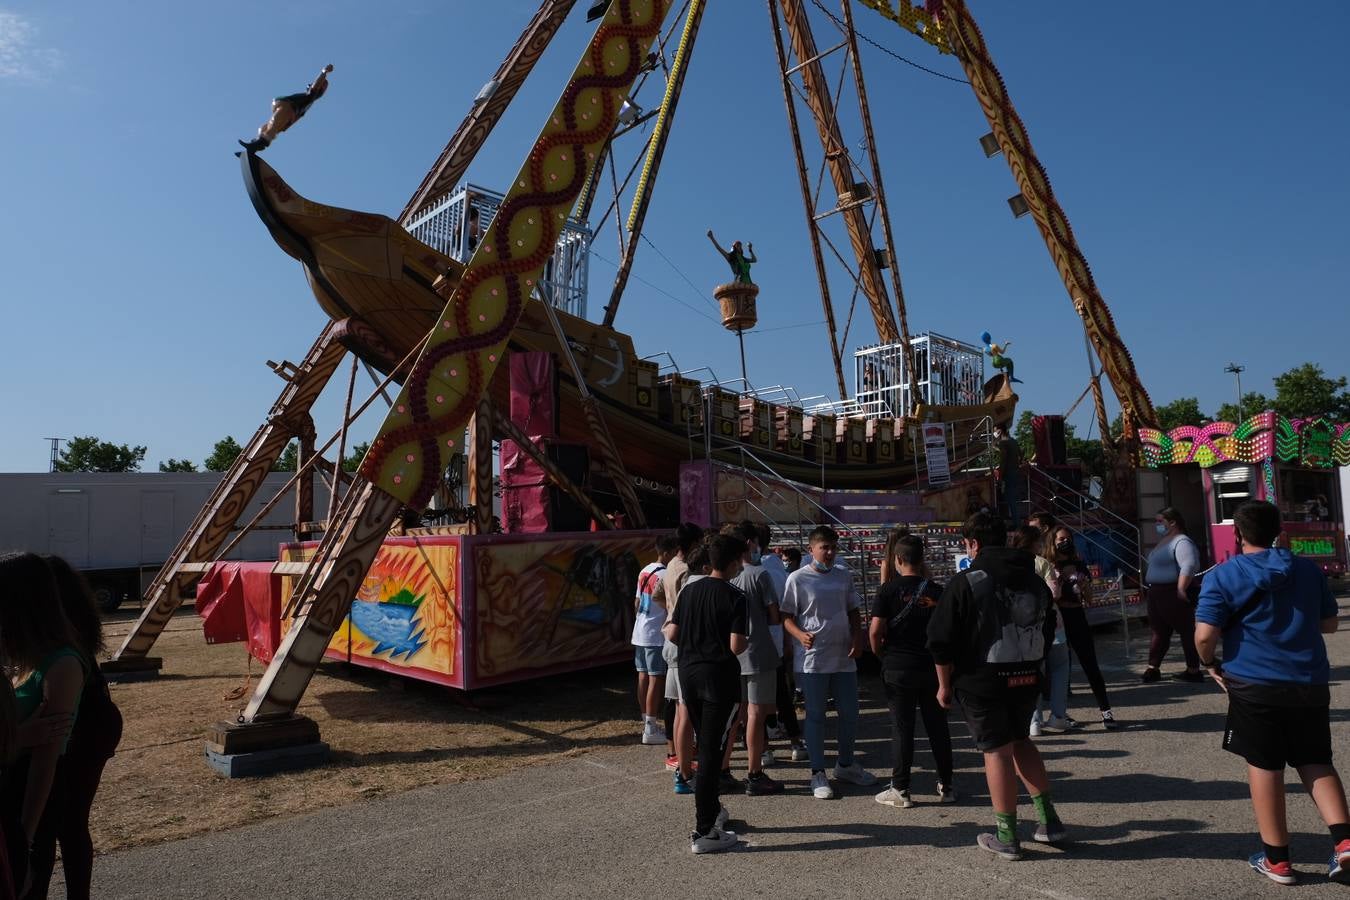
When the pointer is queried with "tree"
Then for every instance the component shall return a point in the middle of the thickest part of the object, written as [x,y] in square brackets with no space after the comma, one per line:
[177,465]
[352,461]
[89,454]
[1253,402]
[1182,411]
[289,460]
[223,455]
[1305,391]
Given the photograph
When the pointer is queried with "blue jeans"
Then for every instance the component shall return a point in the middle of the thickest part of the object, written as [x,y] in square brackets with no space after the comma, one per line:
[817,688]
[1057,672]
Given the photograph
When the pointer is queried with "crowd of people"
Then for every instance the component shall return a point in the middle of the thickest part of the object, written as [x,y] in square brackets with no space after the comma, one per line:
[744,627]
[58,724]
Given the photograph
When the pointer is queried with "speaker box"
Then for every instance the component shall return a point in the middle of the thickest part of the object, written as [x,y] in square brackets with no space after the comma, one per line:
[1047,433]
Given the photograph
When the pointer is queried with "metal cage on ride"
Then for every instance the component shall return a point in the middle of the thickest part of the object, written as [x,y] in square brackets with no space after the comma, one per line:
[455,223]
[949,373]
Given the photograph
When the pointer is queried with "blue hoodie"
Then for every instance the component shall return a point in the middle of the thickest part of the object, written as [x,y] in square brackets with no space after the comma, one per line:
[1280,640]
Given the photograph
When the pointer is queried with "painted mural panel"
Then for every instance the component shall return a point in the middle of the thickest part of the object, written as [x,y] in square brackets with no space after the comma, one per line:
[554,603]
[406,615]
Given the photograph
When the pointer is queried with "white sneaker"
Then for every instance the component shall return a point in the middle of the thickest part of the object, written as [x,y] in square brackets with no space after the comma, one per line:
[721,821]
[653,733]
[799,752]
[767,759]
[820,787]
[892,797]
[854,774]
[1055,723]
[1035,730]
[946,793]
[715,841]
[776,733]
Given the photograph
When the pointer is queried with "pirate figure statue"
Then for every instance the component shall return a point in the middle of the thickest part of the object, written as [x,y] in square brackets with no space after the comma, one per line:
[999,358]
[287,110]
[739,262]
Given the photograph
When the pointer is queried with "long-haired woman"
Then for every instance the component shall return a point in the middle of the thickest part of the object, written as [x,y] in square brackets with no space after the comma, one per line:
[48,670]
[1075,591]
[93,740]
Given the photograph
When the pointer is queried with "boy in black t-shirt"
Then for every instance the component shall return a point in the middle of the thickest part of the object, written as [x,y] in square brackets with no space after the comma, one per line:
[709,627]
[899,637]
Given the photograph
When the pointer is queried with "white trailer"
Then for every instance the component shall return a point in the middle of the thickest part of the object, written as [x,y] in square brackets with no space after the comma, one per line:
[120,528]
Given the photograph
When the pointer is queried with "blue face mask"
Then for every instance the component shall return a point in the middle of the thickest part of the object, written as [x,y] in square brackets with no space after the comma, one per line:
[820,567]
[1160,527]
[755,558]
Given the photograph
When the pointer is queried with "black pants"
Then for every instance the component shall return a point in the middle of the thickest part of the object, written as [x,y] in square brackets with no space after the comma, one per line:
[904,694]
[1168,613]
[66,820]
[713,700]
[1079,635]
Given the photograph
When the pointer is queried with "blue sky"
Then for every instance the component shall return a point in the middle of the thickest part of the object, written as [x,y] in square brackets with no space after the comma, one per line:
[1198,149]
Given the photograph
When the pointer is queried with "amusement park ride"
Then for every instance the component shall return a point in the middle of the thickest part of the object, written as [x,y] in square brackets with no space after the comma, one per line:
[469,303]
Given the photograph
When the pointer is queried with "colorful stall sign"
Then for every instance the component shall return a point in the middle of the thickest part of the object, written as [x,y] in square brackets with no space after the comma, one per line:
[406,616]
[1312,545]
[548,604]
[1315,443]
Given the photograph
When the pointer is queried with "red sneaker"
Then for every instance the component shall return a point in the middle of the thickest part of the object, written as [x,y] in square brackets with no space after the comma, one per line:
[1339,868]
[672,762]
[1280,872]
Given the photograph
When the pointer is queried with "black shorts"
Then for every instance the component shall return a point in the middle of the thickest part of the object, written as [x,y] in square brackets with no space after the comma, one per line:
[998,721]
[1271,737]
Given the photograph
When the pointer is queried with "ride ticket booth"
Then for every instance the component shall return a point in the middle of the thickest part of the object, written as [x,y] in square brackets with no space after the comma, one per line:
[1294,463]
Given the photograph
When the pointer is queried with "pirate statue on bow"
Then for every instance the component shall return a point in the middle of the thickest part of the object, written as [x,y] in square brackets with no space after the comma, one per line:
[287,110]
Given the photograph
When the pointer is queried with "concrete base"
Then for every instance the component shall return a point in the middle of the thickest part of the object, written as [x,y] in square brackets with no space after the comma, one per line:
[241,749]
[268,762]
[132,668]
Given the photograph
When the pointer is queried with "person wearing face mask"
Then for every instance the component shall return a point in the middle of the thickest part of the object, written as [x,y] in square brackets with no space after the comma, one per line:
[1075,590]
[1172,567]
[822,612]
[759,660]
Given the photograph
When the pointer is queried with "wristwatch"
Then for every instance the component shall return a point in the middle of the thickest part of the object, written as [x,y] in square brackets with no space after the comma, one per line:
[1213,664]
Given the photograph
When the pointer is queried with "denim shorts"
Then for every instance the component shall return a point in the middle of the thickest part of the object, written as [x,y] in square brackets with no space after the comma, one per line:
[648,660]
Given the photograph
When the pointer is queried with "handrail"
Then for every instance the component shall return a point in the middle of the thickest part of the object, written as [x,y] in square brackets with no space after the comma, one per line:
[1127,554]
[1055,481]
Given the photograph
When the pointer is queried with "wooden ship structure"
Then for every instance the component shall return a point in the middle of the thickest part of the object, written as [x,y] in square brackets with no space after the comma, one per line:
[464,310]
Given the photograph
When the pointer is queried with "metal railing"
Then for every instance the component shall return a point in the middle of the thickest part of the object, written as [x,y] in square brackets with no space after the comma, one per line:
[1113,535]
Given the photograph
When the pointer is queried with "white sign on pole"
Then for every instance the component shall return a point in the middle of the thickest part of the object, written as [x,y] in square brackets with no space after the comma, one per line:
[935,452]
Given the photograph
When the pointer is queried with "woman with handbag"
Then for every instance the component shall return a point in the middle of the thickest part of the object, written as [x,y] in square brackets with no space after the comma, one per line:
[898,635]
[1172,586]
[1075,593]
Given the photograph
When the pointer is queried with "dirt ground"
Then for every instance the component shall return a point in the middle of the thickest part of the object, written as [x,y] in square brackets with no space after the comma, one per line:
[387,734]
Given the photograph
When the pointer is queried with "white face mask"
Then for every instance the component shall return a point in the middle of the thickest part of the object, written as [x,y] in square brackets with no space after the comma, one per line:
[820,567]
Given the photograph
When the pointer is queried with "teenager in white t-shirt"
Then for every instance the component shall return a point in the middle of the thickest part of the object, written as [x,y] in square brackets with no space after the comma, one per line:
[649,617]
[821,611]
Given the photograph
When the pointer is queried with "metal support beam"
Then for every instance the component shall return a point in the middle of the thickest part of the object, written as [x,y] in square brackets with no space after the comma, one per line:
[818,98]
[804,182]
[454,160]
[656,148]
[237,488]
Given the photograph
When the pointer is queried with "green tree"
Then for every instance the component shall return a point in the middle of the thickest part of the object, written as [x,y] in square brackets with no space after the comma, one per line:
[89,454]
[177,465]
[1182,411]
[1306,391]
[223,455]
[289,460]
[1253,402]
[352,461]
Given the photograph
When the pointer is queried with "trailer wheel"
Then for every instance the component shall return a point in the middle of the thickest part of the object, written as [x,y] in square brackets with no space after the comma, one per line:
[107,596]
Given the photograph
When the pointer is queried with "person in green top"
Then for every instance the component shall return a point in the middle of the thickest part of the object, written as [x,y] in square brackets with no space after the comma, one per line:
[739,262]
[39,651]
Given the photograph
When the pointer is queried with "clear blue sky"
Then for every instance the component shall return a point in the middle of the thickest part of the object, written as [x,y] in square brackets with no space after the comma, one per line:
[1198,149]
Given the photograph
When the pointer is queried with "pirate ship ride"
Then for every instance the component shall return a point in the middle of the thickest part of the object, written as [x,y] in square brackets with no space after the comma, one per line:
[481,353]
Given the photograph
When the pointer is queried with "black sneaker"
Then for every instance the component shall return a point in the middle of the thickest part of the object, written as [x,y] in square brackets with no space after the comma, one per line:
[760,785]
[1190,677]
[1109,721]
[1151,675]
[728,783]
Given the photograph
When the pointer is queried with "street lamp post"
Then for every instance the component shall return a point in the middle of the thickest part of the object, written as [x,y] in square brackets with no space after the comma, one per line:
[1237,371]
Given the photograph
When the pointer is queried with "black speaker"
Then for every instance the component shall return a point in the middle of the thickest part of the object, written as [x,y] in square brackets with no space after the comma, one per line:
[1048,435]
[565,513]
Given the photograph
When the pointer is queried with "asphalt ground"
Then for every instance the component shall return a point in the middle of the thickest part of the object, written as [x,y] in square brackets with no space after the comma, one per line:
[1154,810]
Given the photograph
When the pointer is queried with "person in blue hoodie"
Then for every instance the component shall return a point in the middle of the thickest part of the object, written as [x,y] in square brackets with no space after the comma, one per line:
[1271,609]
